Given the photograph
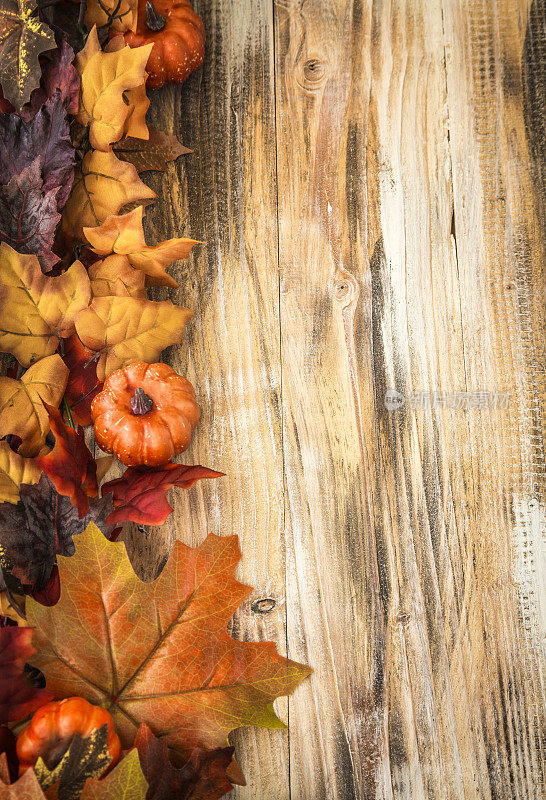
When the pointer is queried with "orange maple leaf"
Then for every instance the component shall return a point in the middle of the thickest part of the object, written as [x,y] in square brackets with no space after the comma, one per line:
[124,235]
[114,276]
[159,652]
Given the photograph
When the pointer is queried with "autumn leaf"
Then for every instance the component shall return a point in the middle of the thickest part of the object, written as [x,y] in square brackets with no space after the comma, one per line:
[45,137]
[69,465]
[159,652]
[203,776]
[29,216]
[139,495]
[125,781]
[40,527]
[121,15]
[86,758]
[15,470]
[136,99]
[23,36]
[36,311]
[151,155]
[9,763]
[126,329]
[114,276]
[22,408]
[102,186]
[104,79]
[124,235]
[82,384]
[59,77]
[17,697]
[25,788]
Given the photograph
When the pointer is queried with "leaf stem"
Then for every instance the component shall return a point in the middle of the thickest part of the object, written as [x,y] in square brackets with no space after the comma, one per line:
[66,409]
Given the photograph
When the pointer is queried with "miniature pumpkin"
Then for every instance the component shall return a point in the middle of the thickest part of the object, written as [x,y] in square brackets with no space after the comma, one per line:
[145,414]
[178,35]
[53,726]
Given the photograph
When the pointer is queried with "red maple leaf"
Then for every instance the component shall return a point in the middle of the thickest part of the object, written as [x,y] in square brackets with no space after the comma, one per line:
[83,383]
[69,465]
[139,495]
[17,697]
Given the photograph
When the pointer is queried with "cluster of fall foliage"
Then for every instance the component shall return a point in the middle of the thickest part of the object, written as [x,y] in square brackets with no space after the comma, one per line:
[109,686]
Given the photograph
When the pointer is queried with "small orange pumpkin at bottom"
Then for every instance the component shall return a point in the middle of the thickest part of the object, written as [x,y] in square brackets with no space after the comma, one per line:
[145,414]
[53,726]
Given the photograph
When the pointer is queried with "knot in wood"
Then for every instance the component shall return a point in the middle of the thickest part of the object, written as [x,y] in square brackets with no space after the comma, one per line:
[263,606]
[313,74]
[345,289]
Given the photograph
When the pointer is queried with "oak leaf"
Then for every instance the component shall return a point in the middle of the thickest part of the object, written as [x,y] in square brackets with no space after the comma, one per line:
[15,470]
[46,137]
[29,215]
[203,776]
[114,276]
[121,330]
[36,311]
[69,465]
[124,235]
[40,527]
[121,15]
[159,652]
[105,77]
[23,36]
[86,758]
[82,384]
[22,409]
[151,155]
[102,186]
[140,494]
[125,781]
[17,697]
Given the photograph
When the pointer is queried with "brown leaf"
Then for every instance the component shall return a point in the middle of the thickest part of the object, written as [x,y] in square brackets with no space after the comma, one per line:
[124,235]
[26,788]
[21,402]
[15,470]
[102,186]
[152,155]
[159,652]
[69,465]
[114,276]
[36,311]
[23,36]
[127,329]
[105,77]
[203,776]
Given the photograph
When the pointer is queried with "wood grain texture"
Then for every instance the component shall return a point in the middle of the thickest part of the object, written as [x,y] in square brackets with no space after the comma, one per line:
[369,181]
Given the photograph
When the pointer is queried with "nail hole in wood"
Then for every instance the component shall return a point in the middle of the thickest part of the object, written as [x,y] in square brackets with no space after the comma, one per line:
[263,606]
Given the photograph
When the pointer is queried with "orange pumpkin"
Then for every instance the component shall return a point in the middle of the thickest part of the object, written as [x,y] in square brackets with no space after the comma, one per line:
[145,414]
[178,35]
[52,728]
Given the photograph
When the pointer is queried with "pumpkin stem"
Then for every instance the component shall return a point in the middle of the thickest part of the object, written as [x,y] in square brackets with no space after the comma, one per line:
[154,20]
[141,403]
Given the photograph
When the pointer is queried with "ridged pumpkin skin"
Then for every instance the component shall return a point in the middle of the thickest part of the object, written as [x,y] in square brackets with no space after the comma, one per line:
[52,728]
[179,47]
[149,439]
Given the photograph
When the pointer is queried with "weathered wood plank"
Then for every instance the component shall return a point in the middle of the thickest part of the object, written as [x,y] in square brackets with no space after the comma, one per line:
[225,194]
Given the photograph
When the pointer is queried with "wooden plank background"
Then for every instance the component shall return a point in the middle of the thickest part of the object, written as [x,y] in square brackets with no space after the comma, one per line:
[369,179]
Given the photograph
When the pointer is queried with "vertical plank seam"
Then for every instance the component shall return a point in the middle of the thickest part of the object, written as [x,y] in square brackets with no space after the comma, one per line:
[281,392]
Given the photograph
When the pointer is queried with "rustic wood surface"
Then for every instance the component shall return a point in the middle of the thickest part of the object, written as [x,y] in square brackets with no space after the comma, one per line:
[369,179]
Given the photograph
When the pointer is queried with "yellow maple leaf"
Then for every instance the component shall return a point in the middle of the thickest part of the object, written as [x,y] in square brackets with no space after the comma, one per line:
[37,310]
[126,329]
[114,276]
[22,411]
[121,15]
[124,234]
[15,470]
[137,100]
[102,186]
[104,79]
